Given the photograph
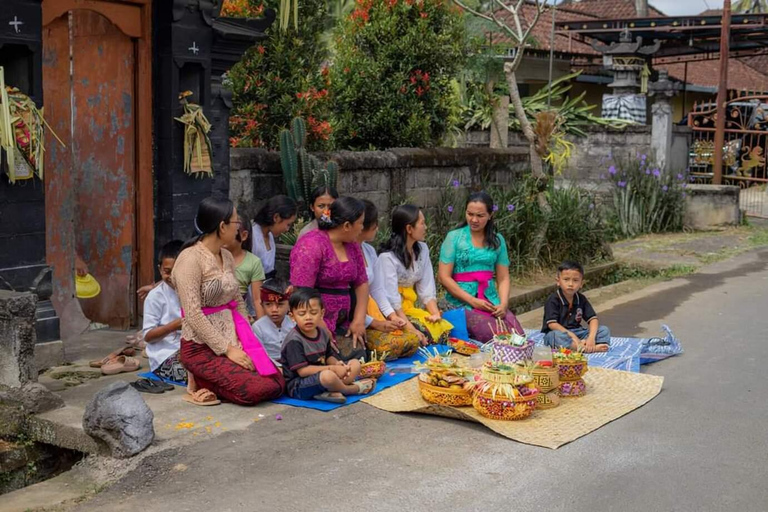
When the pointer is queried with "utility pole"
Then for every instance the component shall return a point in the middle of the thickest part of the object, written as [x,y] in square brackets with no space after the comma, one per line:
[722,94]
[641,8]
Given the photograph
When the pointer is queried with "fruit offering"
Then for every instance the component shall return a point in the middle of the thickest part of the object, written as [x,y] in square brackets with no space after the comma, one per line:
[466,348]
[571,365]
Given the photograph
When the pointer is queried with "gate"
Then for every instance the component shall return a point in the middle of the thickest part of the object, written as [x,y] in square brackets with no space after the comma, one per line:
[746,142]
[90,82]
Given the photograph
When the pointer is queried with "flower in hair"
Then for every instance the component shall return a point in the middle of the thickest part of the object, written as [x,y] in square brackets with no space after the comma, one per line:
[326,216]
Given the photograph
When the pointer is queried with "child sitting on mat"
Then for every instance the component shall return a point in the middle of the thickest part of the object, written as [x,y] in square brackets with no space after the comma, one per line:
[311,364]
[272,328]
[565,311]
[162,320]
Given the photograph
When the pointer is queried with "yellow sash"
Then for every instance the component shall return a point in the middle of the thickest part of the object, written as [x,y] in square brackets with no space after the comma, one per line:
[436,329]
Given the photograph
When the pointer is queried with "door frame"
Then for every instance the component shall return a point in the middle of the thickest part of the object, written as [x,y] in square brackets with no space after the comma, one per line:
[138,26]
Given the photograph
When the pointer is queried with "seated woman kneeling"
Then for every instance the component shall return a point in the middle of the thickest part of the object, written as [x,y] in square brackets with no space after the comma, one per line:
[383,335]
[406,273]
[218,347]
[469,257]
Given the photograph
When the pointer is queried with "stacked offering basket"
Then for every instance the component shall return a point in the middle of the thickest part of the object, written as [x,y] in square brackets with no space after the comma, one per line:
[503,394]
[547,380]
[510,348]
[445,382]
[571,368]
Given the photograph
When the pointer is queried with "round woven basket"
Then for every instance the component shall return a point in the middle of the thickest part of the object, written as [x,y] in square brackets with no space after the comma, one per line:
[490,375]
[548,400]
[546,379]
[373,369]
[444,396]
[510,354]
[571,370]
[572,388]
[504,408]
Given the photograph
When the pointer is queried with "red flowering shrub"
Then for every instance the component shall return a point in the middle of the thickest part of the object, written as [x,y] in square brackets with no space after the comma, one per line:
[391,79]
[280,78]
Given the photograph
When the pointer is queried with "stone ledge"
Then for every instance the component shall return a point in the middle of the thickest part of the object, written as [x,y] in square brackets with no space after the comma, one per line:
[711,206]
[397,158]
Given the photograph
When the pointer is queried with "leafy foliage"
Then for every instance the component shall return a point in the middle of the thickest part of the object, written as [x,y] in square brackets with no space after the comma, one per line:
[281,79]
[645,199]
[391,79]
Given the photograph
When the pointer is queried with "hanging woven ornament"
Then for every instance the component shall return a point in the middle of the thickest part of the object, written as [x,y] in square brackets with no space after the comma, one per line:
[22,134]
[197,144]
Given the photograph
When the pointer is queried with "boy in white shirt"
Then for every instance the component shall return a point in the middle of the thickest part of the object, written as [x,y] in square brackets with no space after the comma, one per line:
[272,328]
[162,320]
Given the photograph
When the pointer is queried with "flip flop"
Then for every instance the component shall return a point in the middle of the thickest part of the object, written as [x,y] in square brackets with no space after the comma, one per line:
[164,385]
[125,351]
[328,397]
[202,397]
[121,364]
[365,386]
[147,386]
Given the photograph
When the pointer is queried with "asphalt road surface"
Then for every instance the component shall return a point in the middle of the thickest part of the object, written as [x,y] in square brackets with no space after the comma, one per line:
[701,445]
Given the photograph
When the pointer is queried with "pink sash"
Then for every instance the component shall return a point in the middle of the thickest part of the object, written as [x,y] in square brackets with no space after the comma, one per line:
[481,277]
[251,344]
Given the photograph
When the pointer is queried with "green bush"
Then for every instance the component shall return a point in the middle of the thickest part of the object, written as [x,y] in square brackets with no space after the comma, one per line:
[392,78]
[575,227]
[645,199]
[280,79]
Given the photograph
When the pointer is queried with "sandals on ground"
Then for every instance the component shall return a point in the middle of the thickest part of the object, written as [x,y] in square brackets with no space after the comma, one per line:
[125,351]
[121,364]
[202,397]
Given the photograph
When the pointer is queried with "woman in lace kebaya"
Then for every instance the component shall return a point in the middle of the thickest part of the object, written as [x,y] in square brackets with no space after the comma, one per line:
[406,272]
[330,260]
[218,347]
[470,256]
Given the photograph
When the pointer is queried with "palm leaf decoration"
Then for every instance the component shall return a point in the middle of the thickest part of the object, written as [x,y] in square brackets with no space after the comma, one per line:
[197,144]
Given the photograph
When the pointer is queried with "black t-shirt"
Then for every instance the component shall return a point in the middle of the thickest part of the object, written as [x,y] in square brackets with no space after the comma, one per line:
[569,316]
[299,351]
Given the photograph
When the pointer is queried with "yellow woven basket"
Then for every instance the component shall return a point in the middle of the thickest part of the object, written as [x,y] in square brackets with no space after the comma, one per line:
[504,408]
[571,370]
[372,370]
[546,379]
[548,400]
[444,396]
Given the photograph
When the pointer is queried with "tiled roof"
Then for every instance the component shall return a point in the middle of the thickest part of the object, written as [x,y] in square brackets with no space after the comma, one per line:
[608,9]
[706,73]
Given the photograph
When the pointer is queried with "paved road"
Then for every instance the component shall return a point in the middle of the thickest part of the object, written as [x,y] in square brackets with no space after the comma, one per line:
[701,445]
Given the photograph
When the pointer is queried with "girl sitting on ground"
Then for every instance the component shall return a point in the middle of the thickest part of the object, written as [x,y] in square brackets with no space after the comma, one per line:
[474,269]
[248,269]
[319,203]
[406,272]
[383,334]
[273,219]
[330,260]
[218,347]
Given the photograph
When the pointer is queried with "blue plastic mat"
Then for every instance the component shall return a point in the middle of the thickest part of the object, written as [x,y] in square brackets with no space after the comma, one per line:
[397,371]
[629,353]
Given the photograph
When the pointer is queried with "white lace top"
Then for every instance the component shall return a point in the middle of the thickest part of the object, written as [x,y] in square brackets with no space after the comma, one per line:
[392,274]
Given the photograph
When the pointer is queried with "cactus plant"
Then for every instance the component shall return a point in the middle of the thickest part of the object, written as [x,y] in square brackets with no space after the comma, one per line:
[303,172]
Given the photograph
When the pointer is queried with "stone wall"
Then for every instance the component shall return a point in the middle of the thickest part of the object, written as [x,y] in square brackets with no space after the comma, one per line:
[591,152]
[711,206]
[384,177]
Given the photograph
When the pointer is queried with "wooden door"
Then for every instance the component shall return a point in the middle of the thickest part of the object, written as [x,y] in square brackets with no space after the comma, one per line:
[89,81]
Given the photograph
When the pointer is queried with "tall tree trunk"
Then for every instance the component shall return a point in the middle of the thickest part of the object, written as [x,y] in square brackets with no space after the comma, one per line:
[537,168]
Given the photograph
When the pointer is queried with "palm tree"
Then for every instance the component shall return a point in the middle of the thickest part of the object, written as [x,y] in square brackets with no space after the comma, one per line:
[750,6]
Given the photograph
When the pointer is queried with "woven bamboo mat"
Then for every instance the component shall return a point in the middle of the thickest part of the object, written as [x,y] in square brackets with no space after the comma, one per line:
[610,395]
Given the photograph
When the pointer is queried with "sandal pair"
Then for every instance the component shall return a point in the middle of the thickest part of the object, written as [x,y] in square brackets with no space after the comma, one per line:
[202,397]
[125,351]
[121,364]
[151,386]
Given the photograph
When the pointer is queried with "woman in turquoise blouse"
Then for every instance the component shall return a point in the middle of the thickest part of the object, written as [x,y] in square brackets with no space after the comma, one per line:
[474,269]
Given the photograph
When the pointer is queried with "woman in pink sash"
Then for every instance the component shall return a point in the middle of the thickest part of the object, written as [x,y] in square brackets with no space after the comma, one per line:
[218,347]
[474,269]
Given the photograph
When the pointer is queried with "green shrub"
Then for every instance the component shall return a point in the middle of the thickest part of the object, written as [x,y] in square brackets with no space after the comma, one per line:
[280,79]
[645,199]
[391,80]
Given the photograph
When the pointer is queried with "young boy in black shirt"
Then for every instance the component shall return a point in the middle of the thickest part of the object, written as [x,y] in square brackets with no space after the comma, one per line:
[311,363]
[565,311]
